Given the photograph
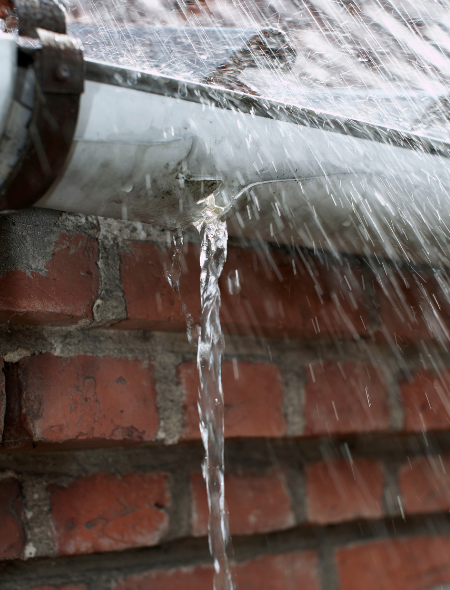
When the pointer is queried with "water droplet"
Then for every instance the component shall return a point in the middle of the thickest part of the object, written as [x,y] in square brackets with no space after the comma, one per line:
[127,187]
[233,282]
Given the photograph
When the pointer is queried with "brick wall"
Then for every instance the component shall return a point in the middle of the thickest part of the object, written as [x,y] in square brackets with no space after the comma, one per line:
[336,378]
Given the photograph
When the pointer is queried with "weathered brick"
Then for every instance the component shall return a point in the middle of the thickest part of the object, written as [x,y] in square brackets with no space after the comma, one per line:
[12,534]
[286,571]
[344,397]
[66,292]
[104,512]
[150,300]
[425,484]
[253,399]
[411,307]
[256,504]
[414,563]
[315,301]
[182,578]
[426,401]
[81,399]
[338,491]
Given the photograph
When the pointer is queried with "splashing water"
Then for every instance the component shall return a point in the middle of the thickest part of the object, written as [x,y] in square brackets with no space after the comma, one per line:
[213,254]
[386,63]
[210,401]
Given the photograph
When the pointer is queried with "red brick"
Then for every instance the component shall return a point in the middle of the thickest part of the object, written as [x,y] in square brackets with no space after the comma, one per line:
[425,484]
[415,563]
[104,512]
[183,578]
[288,571]
[150,300]
[253,401]
[12,534]
[336,399]
[256,504]
[64,295]
[82,399]
[426,400]
[317,301]
[411,307]
[338,491]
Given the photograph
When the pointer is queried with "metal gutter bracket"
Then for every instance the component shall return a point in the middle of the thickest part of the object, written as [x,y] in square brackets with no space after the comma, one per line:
[40,14]
[59,81]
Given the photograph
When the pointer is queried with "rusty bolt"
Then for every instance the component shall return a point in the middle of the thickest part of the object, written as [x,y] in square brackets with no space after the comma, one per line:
[62,73]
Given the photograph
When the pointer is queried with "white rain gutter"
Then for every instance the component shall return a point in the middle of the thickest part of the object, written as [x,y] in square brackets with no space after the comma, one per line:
[8,73]
[164,151]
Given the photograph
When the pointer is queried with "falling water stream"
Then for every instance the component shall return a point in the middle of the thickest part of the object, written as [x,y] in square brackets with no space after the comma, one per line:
[210,400]
[210,396]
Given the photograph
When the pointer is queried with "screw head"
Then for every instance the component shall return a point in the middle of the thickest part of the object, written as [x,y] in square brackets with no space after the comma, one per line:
[62,72]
